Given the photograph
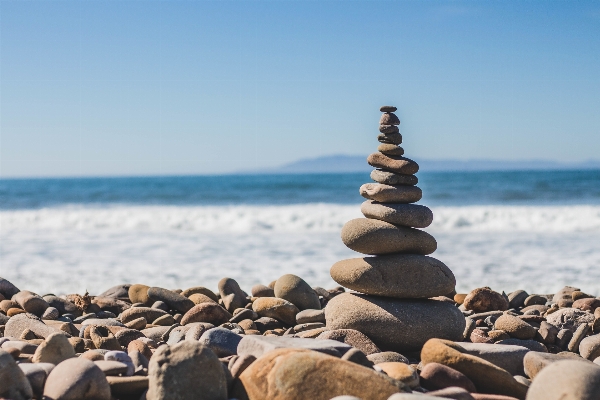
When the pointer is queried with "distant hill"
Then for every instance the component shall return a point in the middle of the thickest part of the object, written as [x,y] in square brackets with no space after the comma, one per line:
[350,163]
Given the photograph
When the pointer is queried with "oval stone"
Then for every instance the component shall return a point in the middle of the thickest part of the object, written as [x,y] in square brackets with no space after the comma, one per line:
[390,138]
[388,129]
[387,109]
[371,236]
[400,165]
[412,215]
[390,194]
[568,379]
[295,290]
[397,275]
[390,178]
[395,324]
[390,149]
[389,118]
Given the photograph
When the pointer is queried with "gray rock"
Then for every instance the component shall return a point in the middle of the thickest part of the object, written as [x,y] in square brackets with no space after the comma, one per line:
[401,194]
[295,290]
[569,318]
[310,315]
[254,345]
[243,313]
[390,178]
[113,368]
[31,302]
[262,291]
[455,393]
[352,337]
[150,314]
[36,374]
[563,297]
[517,298]
[63,306]
[411,215]
[578,336]
[389,118]
[357,357]
[121,357]
[23,346]
[76,379]
[233,297]
[399,165]
[395,324]
[186,369]
[175,301]
[563,338]
[568,379]
[394,138]
[221,341]
[387,109]
[120,292]
[20,322]
[515,327]
[51,313]
[395,275]
[532,345]
[590,347]
[14,384]
[535,299]
[389,129]
[387,356]
[196,330]
[7,289]
[534,361]
[370,236]
[390,149]
[508,357]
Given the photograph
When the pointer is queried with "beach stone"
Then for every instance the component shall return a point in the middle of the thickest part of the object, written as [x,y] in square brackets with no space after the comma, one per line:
[387,109]
[138,293]
[391,194]
[569,318]
[120,292]
[295,290]
[141,347]
[370,236]
[530,344]
[289,380]
[242,314]
[266,323]
[112,368]
[390,149]
[307,327]
[515,327]
[563,337]
[175,301]
[50,313]
[257,346]
[164,320]
[36,374]
[411,215]
[23,346]
[485,299]
[480,336]
[535,299]
[262,291]
[541,309]
[103,338]
[55,349]
[200,290]
[76,379]
[276,308]
[387,356]
[587,304]
[399,165]
[127,387]
[94,354]
[517,298]
[394,138]
[178,371]
[125,336]
[534,361]
[548,333]
[436,376]
[233,297]
[102,322]
[14,311]
[566,380]
[138,323]
[221,341]
[352,337]
[401,372]
[6,305]
[589,347]
[395,275]
[497,335]
[578,336]
[508,357]
[395,324]
[390,178]
[14,384]
[455,393]
[389,118]
[308,316]
[487,377]
[22,322]
[31,302]
[564,297]
[389,129]
[357,357]
[7,289]
[150,314]
[237,365]
[206,312]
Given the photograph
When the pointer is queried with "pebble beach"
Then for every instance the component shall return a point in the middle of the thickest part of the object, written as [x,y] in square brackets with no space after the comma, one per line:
[394,324]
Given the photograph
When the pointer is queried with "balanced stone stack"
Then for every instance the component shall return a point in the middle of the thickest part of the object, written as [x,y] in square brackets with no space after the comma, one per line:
[394,306]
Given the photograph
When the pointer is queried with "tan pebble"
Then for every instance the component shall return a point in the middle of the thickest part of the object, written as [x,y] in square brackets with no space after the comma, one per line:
[401,372]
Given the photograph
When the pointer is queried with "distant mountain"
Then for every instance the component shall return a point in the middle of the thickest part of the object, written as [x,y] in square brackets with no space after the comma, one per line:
[349,163]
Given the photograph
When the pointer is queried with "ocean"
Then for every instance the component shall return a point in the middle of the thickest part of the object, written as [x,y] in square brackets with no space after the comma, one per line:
[532,230]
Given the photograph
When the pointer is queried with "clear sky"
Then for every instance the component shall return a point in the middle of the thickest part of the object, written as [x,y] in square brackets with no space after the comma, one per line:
[185,87]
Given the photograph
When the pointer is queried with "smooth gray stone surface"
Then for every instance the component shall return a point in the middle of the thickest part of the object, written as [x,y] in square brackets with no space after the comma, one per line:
[256,346]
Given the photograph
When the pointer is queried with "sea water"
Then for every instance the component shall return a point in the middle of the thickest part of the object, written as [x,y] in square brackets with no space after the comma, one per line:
[533,230]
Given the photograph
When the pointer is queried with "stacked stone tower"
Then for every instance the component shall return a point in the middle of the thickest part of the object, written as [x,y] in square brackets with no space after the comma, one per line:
[400,273]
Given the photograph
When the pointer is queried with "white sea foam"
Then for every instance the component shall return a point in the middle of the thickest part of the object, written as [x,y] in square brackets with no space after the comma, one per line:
[67,249]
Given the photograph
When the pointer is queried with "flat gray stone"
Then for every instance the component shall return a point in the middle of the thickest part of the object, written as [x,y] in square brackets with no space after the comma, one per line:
[391,178]
[254,345]
[411,215]
[18,323]
[222,341]
[36,374]
[507,357]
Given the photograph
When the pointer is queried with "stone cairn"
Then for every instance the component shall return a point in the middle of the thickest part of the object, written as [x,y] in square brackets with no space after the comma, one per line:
[392,307]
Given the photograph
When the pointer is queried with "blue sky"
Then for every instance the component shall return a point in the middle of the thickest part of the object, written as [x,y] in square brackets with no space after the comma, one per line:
[185,87]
